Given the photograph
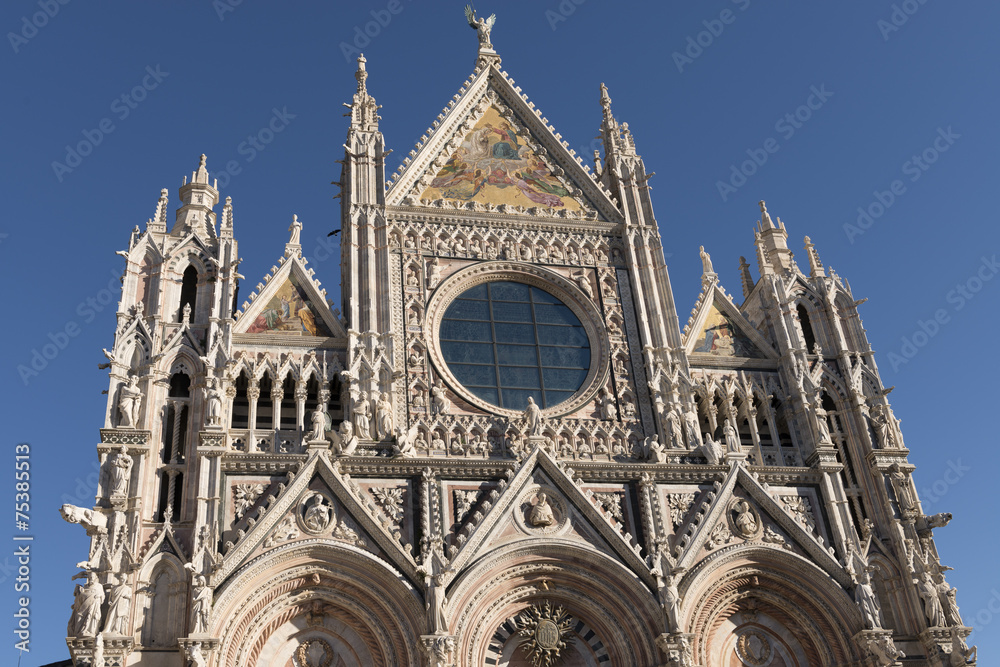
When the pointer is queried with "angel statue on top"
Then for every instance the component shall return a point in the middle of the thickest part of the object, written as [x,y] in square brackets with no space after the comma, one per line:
[482,26]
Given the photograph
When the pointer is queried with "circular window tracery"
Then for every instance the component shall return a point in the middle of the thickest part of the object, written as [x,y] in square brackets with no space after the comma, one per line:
[507,341]
[565,334]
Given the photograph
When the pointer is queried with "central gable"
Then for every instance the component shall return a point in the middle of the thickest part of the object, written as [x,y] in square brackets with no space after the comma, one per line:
[492,150]
[497,164]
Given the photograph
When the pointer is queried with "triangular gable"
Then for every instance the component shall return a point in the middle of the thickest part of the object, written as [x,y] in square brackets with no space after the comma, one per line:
[714,527]
[718,329]
[352,514]
[291,306]
[494,149]
[595,525]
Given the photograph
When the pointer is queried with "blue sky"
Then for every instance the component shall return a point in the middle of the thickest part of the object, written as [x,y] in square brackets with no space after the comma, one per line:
[902,126]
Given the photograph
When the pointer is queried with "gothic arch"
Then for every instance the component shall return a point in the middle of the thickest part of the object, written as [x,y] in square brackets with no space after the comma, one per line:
[592,587]
[162,597]
[317,591]
[736,589]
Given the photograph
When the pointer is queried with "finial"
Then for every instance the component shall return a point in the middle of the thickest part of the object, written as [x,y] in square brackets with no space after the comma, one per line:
[765,219]
[361,75]
[201,175]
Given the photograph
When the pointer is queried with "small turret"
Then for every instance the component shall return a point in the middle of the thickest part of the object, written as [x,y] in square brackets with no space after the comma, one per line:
[197,199]
[775,241]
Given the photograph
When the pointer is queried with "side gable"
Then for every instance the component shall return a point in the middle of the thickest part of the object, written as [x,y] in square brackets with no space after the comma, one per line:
[290,309]
[718,331]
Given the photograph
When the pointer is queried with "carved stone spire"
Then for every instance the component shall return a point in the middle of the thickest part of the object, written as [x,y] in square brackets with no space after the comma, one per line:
[159,221]
[226,226]
[815,265]
[609,126]
[775,240]
[364,109]
[745,278]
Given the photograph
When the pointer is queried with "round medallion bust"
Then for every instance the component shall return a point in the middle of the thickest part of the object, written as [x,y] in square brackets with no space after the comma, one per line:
[500,333]
[541,511]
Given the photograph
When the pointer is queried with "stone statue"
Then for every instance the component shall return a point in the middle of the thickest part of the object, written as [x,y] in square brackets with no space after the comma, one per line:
[201,605]
[867,601]
[932,605]
[882,427]
[436,602]
[541,514]
[670,598]
[118,605]
[608,410]
[86,618]
[482,26]
[584,282]
[904,492]
[93,521]
[711,450]
[362,417]
[348,441]
[732,438]
[214,400]
[442,405]
[383,416]
[317,514]
[949,603]
[193,653]
[706,261]
[318,424]
[119,469]
[433,273]
[186,314]
[691,419]
[885,651]
[674,428]
[961,654]
[295,229]
[533,418]
[823,426]
[656,451]
[129,402]
[404,446]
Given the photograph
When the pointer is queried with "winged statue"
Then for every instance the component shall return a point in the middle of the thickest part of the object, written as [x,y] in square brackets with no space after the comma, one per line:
[482,26]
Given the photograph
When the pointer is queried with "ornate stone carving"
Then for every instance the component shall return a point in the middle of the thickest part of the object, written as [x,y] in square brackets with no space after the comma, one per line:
[244,497]
[879,645]
[546,631]
[745,519]
[284,531]
[754,648]
[541,514]
[390,501]
[720,535]
[314,653]
[464,501]
[800,508]
[678,505]
[119,468]
[612,504]
[119,604]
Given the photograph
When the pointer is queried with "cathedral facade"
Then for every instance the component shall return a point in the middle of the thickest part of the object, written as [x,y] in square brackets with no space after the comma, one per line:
[503,448]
